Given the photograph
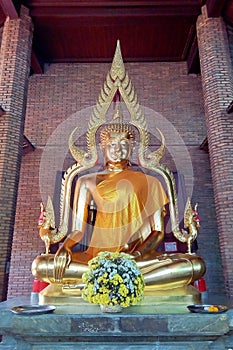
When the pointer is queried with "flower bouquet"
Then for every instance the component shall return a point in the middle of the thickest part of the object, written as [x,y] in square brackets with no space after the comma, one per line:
[113,279]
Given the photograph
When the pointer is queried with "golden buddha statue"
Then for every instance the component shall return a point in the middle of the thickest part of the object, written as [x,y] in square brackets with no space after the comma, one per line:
[130,205]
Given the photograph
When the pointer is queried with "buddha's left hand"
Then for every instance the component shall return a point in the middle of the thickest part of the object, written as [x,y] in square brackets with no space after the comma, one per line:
[62,259]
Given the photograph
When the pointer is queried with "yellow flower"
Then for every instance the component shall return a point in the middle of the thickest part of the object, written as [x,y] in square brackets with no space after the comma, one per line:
[103,278]
[117,279]
[123,290]
[104,289]
[114,301]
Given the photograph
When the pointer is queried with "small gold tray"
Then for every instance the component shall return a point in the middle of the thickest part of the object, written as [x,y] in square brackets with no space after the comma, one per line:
[32,309]
[208,309]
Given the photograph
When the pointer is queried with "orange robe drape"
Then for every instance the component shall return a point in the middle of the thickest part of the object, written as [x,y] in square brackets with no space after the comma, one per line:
[126,201]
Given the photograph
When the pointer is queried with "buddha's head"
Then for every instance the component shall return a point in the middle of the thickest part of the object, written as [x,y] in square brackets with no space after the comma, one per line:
[117,140]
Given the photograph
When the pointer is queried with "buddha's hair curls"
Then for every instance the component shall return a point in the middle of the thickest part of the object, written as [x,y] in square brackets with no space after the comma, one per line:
[116,128]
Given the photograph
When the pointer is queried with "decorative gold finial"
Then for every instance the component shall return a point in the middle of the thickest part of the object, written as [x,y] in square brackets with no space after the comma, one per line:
[118,68]
[118,114]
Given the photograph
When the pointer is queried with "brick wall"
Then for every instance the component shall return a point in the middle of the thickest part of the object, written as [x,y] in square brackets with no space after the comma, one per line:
[217,84]
[14,72]
[61,99]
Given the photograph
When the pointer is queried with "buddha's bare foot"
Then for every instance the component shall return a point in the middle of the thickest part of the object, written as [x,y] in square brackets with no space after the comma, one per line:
[151,255]
[69,286]
[73,289]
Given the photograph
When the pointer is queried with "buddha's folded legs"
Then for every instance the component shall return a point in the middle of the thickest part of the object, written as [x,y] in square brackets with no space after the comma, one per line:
[164,272]
[172,271]
[43,269]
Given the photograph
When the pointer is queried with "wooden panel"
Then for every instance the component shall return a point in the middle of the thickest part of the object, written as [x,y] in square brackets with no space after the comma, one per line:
[141,38]
[70,30]
[228,11]
[8,8]
[215,7]
[87,30]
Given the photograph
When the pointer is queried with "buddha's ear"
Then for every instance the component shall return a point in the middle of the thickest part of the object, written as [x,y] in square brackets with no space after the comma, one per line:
[102,146]
[133,144]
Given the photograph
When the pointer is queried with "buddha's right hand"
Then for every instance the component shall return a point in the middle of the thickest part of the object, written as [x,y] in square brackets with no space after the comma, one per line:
[62,259]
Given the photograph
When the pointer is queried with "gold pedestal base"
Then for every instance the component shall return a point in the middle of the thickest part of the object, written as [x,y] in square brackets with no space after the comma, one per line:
[183,295]
[55,294]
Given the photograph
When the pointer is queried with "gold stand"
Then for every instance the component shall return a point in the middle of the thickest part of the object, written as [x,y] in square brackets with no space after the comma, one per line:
[55,294]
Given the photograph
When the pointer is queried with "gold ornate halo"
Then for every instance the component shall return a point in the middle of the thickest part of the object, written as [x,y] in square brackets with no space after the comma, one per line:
[117,81]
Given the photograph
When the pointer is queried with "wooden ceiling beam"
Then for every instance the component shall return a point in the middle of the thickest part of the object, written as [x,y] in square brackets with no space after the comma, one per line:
[193,62]
[27,146]
[109,59]
[2,111]
[108,2]
[9,9]
[36,66]
[215,7]
[158,9]
[111,3]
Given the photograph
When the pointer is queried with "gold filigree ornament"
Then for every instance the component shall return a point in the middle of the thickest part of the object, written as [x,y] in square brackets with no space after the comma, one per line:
[118,81]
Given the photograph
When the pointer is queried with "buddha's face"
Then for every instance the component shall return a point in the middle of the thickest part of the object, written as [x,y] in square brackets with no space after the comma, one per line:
[117,148]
